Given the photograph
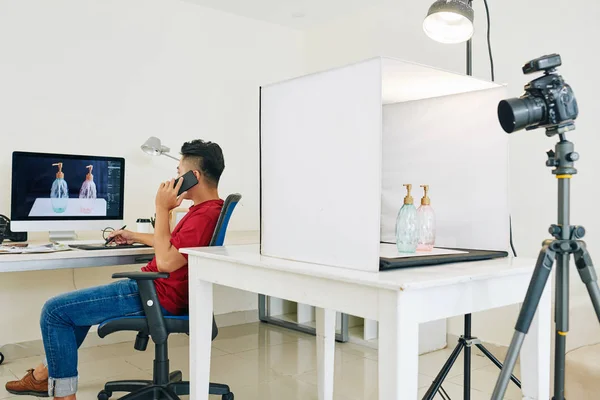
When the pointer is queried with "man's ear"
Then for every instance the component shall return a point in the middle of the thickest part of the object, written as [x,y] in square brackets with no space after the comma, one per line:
[198,175]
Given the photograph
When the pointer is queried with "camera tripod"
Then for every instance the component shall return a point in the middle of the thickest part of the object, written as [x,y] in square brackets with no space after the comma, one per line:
[566,242]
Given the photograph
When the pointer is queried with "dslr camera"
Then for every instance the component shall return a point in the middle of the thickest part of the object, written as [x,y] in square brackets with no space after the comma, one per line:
[548,101]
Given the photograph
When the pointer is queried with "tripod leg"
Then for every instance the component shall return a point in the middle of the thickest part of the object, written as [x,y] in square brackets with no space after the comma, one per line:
[467,364]
[497,363]
[586,270]
[535,356]
[538,282]
[561,318]
[437,383]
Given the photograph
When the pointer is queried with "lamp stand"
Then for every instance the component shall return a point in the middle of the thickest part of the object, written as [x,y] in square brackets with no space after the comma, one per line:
[466,341]
[170,156]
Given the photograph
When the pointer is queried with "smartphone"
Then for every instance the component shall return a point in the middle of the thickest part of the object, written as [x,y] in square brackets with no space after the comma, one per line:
[189,181]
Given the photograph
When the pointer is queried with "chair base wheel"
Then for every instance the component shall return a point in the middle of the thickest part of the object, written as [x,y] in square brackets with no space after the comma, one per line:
[104,395]
[228,396]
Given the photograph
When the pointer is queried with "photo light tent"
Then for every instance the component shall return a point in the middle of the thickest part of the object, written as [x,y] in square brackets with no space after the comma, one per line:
[337,146]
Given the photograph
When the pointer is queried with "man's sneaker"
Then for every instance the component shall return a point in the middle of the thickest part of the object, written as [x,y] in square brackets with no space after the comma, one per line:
[28,386]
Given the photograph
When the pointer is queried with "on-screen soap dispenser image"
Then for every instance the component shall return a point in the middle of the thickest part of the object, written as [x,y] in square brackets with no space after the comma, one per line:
[426,223]
[88,192]
[59,194]
[407,234]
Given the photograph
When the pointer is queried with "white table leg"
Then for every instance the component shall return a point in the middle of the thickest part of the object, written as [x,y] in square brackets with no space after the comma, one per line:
[325,319]
[201,314]
[398,348]
[535,353]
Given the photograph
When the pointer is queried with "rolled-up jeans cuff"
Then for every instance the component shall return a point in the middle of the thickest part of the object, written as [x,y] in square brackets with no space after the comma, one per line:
[62,387]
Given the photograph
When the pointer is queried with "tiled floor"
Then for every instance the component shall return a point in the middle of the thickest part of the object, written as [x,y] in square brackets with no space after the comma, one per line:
[259,362]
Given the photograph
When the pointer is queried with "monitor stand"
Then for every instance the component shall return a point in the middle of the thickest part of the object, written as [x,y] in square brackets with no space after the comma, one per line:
[58,236]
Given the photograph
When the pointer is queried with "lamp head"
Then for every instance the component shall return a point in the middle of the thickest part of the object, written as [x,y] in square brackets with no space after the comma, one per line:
[153,147]
[449,21]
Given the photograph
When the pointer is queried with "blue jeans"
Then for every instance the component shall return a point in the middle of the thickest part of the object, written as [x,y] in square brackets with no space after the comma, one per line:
[66,320]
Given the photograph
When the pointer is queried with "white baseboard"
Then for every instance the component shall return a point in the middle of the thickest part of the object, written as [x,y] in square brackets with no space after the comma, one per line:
[237,318]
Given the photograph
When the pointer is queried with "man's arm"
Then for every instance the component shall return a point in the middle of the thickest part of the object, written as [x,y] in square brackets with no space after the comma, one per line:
[144,238]
[168,257]
[130,237]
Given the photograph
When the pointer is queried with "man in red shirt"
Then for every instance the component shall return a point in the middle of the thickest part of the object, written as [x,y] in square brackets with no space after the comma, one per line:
[66,319]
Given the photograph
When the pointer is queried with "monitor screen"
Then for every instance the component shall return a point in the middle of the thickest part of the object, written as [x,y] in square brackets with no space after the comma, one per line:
[50,187]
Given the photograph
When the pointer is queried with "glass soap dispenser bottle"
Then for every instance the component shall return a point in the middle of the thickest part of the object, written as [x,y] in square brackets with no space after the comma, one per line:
[87,193]
[407,234]
[426,223]
[59,194]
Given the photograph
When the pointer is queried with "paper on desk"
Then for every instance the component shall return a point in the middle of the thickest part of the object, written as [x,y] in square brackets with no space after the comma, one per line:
[46,248]
[387,250]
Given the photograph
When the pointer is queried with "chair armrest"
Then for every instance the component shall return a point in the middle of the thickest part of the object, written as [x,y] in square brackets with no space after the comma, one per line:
[156,321]
[141,275]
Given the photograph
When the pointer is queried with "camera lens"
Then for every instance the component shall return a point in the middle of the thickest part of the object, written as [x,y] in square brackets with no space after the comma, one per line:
[519,113]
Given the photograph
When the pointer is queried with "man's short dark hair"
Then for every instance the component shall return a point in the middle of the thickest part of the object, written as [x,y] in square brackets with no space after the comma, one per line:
[207,157]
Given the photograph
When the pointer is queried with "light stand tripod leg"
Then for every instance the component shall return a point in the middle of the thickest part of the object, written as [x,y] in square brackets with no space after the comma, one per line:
[467,363]
[497,363]
[538,282]
[437,382]
[465,342]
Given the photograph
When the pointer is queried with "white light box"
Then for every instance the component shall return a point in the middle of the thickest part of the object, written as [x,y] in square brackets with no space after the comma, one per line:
[337,146]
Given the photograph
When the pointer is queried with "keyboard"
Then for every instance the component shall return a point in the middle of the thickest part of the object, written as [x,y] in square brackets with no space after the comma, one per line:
[103,247]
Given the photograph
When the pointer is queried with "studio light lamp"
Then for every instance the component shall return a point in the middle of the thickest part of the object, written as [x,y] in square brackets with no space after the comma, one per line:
[154,147]
[449,21]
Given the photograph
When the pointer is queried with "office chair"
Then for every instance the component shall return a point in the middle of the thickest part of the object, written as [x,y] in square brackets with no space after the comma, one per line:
[153,324]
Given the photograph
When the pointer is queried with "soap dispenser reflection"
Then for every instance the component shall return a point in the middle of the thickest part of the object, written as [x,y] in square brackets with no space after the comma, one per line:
[407,234]
[426,223]
[59,194]
[88,192]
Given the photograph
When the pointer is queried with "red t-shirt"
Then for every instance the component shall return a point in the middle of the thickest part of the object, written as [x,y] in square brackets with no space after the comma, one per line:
[195,229]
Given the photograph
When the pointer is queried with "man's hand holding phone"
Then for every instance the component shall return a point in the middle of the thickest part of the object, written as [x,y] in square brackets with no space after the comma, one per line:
[166,196]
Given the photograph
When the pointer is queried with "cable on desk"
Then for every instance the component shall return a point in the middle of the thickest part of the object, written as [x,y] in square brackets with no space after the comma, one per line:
[107,230]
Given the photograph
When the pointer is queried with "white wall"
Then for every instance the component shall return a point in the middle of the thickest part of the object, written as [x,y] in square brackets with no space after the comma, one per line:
[100,76]
[520,31]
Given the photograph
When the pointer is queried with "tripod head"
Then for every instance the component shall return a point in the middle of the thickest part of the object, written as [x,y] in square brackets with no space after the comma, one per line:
[562,158]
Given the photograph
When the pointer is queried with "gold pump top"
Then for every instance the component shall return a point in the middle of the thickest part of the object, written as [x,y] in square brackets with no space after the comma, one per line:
[59,174]
[408,199]
[425,201]
[89,175]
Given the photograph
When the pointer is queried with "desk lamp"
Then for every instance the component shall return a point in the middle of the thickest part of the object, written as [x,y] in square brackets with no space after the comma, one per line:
[451,22]
[153,147]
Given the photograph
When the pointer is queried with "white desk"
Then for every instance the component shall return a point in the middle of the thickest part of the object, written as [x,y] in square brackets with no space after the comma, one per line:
[73,259]
[399,300]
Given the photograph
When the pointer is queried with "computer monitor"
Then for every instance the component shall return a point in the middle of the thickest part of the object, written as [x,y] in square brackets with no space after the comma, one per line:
[63,193]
